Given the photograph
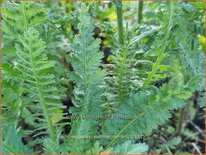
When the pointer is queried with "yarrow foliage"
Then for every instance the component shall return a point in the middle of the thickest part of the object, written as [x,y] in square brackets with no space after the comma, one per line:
[64,93]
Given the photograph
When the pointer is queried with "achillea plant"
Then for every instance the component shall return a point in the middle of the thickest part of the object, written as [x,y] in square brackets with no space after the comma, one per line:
[60,98]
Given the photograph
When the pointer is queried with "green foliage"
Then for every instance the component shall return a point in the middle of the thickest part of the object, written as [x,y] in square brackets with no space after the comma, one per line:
[35,68]
[85,60]
[17,18]
[170,145]
[145,111]
[187,53]
[37,99]
[12,142]
[52,54]
[96,149]
[129,148]
[190,134]
[51,146]
[122,80]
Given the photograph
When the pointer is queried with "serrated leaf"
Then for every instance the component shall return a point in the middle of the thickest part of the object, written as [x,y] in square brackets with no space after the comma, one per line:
[12,143]
[130,148]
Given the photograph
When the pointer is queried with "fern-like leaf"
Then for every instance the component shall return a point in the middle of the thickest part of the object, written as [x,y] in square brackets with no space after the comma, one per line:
[12,141]
[35,68]
[87,75]
[144,112]
[18,17]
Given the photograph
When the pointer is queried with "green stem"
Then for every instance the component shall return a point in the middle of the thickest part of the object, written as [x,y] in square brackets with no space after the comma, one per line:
[181,111]
[140,10]
[205,65]
[120,23]
[180,121]
[161,53]
[122,61]
[121,74]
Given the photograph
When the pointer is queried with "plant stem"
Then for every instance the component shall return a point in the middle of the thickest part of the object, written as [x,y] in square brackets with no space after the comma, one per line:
[205,56]
[162,50]
[122,61]
[121,74]
[120,23]
[139,10]
[180,121]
